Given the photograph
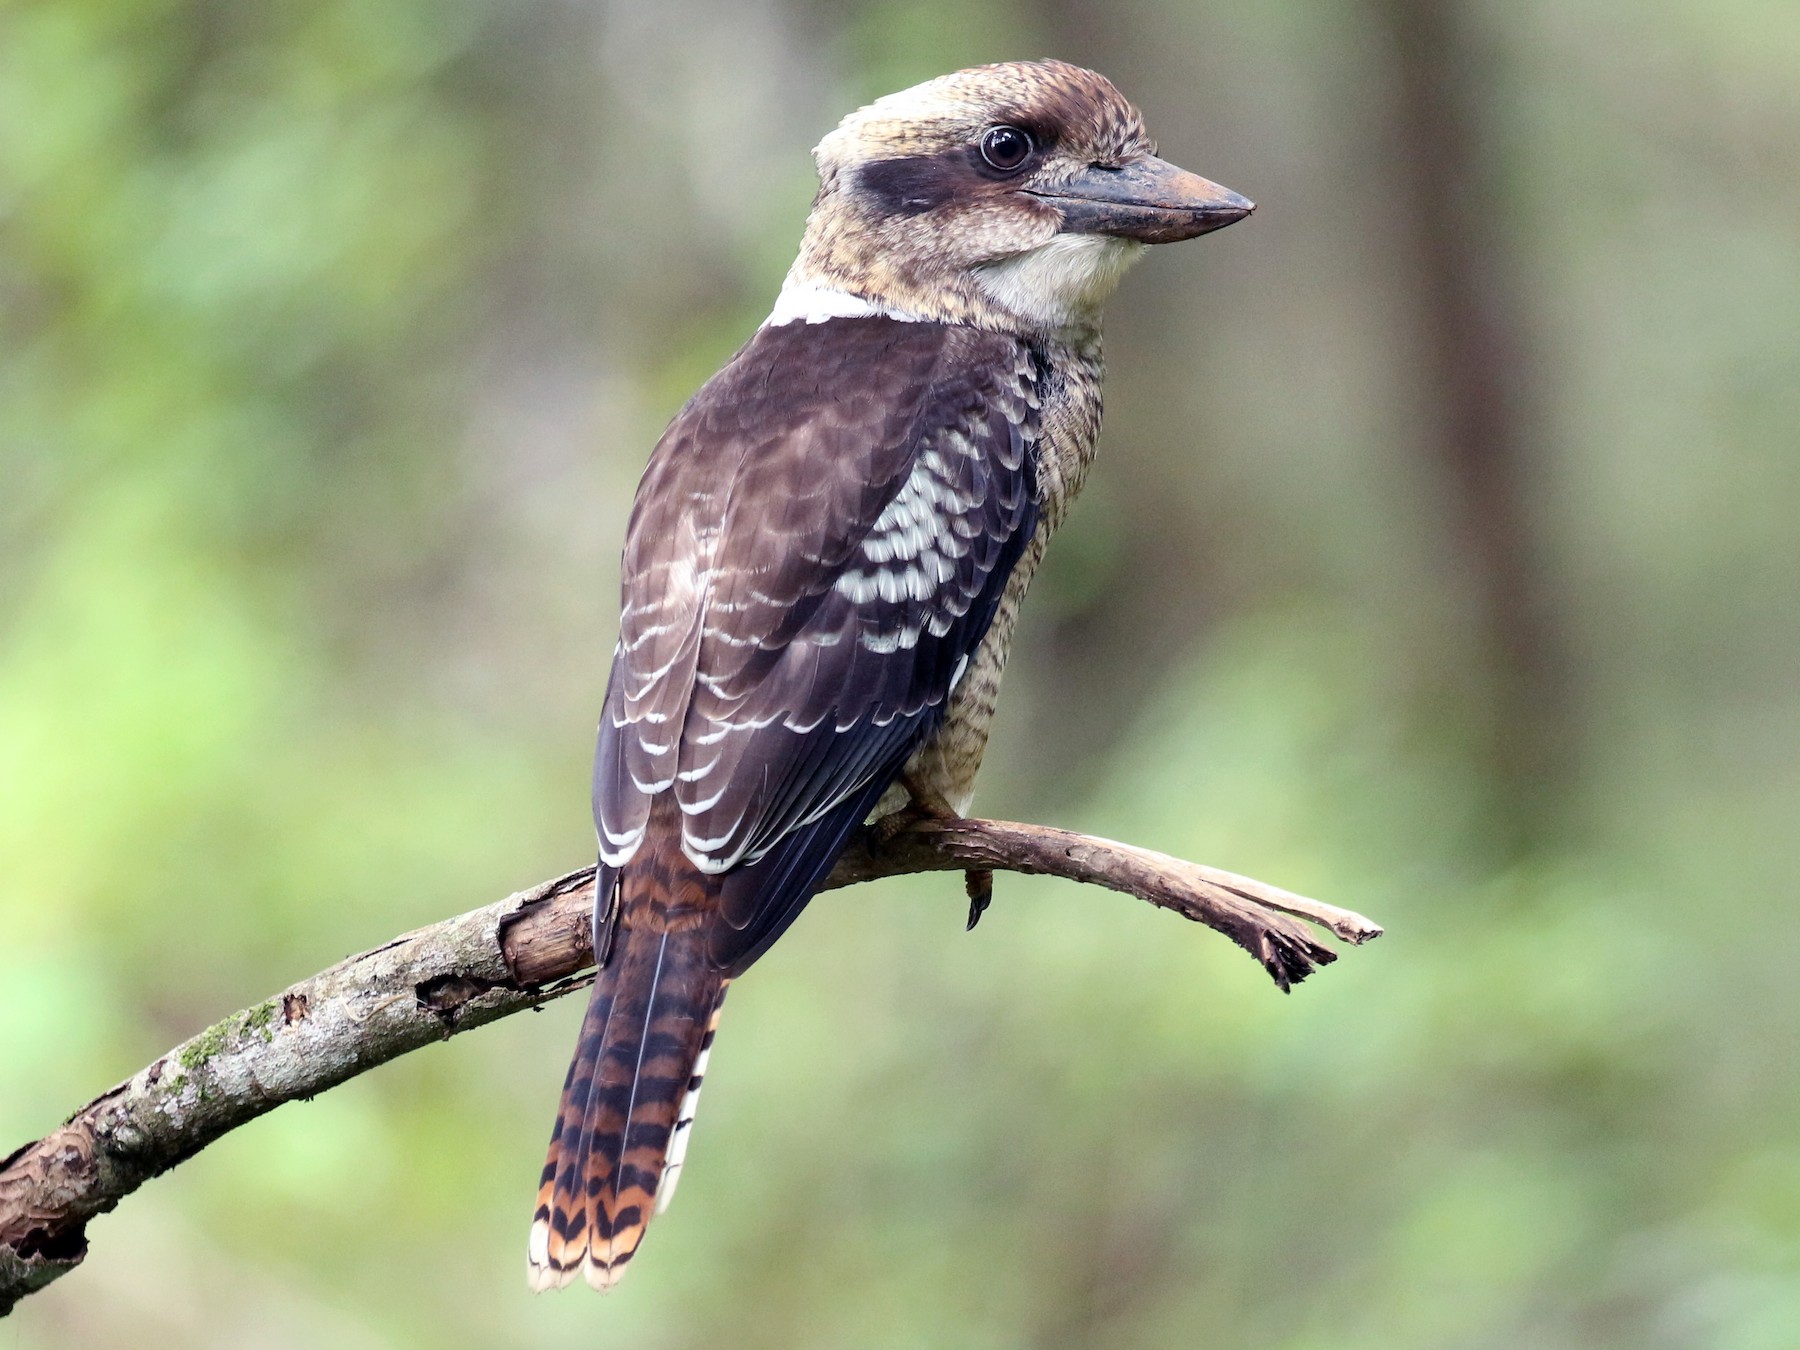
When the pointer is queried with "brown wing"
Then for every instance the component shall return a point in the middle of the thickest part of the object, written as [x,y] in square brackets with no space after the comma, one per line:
[817,548]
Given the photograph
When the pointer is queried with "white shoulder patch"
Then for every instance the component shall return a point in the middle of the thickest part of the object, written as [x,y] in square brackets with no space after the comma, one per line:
[814,302]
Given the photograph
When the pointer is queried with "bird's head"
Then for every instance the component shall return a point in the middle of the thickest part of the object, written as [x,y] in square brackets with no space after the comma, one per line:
[1011,196]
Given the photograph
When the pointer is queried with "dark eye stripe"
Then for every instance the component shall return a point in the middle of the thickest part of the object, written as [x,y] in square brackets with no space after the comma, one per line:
[911,185]
[914,184]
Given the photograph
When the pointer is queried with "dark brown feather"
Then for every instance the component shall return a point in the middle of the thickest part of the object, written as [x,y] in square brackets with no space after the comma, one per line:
[768,664]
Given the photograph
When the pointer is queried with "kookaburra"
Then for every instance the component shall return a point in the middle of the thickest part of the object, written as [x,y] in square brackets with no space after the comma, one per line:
[823,569]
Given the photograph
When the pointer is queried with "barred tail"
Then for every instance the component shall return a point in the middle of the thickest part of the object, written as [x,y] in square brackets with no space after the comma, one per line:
[628,1101]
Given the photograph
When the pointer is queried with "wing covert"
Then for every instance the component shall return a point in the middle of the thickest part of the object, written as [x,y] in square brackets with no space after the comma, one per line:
[818,547]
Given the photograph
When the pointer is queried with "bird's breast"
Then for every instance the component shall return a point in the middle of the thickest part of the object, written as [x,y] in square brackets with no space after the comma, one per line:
[946,765]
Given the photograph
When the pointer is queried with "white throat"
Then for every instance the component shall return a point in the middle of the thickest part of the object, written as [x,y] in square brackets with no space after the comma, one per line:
[1061,283]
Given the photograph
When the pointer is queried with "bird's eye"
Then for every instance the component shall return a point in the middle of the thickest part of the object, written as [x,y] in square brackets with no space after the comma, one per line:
[1005,148]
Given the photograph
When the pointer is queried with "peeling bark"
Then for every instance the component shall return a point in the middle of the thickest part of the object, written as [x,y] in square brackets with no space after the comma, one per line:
[515,954]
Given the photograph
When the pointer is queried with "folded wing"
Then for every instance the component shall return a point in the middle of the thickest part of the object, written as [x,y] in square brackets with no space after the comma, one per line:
[818,547]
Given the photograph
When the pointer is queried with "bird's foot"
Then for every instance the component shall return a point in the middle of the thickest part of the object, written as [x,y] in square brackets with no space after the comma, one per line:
[921,808]
[896,823]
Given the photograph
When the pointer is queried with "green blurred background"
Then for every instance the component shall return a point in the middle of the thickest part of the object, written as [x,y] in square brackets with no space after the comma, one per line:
[1442,562]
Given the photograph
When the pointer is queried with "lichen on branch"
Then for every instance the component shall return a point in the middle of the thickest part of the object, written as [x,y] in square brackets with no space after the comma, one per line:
[514,954]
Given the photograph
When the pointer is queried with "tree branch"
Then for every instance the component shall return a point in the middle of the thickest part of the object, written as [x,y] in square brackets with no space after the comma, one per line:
[515,954]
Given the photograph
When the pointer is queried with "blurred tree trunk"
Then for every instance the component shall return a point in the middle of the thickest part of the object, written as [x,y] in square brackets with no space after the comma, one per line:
[1468,360]
[1471,347]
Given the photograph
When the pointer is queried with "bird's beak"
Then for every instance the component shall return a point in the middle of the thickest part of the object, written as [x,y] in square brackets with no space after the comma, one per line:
[1149,200]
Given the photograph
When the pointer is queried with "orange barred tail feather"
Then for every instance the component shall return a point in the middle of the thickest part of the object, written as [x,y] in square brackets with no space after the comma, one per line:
[628,1101]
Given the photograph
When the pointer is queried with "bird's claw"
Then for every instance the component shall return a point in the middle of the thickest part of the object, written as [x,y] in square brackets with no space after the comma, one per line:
[979,882]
